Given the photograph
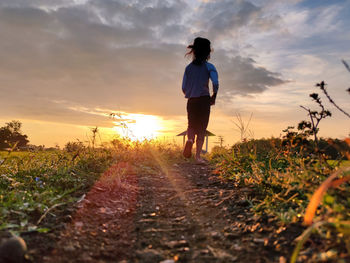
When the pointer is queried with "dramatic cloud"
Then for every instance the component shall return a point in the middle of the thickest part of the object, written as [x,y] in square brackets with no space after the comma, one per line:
[120,55]
[241,76]
[227,19]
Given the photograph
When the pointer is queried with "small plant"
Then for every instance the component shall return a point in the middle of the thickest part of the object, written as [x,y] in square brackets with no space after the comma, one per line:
[243,127]
[311,127]
[122,122]
[342,226]
[94,131]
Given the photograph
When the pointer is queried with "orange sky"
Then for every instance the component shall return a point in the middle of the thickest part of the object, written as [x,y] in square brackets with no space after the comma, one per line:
[66,65]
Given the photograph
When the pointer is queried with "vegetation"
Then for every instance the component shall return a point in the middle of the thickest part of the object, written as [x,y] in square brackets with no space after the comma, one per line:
[34,186]
[33,183]
[285,178]
[291,176]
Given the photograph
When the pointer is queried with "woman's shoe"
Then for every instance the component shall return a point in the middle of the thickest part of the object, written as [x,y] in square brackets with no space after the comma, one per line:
[188,149]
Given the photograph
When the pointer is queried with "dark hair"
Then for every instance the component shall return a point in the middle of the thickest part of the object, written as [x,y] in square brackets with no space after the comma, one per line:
[200,50]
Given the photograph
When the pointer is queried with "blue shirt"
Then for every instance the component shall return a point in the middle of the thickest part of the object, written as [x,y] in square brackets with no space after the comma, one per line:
[196,80]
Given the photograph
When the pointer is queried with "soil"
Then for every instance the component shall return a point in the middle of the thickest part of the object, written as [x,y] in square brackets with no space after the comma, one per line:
[182,214]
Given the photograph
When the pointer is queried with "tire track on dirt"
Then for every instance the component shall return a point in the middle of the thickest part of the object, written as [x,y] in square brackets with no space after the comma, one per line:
[180,219]
[102,227]
[183,213]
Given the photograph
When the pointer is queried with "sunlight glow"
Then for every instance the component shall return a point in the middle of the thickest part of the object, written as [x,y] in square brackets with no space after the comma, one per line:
[138,127]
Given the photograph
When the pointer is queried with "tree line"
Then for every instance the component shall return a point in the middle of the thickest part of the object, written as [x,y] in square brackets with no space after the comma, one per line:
[11,136]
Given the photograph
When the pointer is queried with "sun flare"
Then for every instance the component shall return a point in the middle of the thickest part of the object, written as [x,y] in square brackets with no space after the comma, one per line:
[138,127]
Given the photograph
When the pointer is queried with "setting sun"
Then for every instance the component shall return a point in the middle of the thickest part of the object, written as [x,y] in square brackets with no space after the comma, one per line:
[138,127]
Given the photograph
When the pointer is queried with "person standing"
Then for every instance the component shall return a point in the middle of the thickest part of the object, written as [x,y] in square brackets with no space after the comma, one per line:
[195,86]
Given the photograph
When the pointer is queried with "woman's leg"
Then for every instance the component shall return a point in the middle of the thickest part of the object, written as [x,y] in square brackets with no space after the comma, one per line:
[203,120]
[199,146]
[191,116]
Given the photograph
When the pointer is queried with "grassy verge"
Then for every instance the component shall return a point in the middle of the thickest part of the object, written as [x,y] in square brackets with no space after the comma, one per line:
[33,183]
[36,185]
[284,181]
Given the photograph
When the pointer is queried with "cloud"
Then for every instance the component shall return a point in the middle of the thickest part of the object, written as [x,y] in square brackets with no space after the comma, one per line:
[241,76]
[140,13]
[42,4]
[123,55]
[226,19]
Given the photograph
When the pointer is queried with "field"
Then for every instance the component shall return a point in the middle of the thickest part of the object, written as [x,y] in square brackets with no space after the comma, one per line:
[40,191]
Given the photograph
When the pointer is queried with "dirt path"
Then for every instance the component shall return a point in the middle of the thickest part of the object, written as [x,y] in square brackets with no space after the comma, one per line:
[182,214]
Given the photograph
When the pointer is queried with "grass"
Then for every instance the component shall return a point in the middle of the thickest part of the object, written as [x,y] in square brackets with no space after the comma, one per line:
[342,163]
[283,182]
[284,179]
[34,185]
[4,154]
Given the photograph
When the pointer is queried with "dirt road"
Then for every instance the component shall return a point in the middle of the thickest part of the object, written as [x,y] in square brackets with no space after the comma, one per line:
[183,213]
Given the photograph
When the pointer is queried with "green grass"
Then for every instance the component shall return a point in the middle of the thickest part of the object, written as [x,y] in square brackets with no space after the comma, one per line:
[4,154]
[284,181]
[342,163]
[33,182]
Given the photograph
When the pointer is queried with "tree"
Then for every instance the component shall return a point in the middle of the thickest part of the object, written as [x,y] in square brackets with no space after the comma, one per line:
[11,135]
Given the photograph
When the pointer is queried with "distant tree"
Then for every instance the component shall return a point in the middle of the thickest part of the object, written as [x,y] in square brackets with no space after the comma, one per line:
[11,135]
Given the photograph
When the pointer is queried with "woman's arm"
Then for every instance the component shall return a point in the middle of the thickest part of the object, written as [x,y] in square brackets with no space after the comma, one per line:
[184,80]
[214,77]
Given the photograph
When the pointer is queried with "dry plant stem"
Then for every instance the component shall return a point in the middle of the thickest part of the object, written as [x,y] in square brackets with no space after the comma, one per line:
[225,198]
[346,65]
[306,234]
[241,126]
[317,196]
[338,182]
[301,239]
[322,87]
[47,211]
[122,122]
[94,132]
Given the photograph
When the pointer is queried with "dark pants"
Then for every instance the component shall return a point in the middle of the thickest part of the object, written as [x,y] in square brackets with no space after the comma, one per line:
[198,111]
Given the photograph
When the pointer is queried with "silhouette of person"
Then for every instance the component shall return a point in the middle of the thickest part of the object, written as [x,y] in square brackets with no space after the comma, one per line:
[195,86]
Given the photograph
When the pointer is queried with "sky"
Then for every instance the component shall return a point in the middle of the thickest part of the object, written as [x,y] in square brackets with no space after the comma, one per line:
[65,65]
